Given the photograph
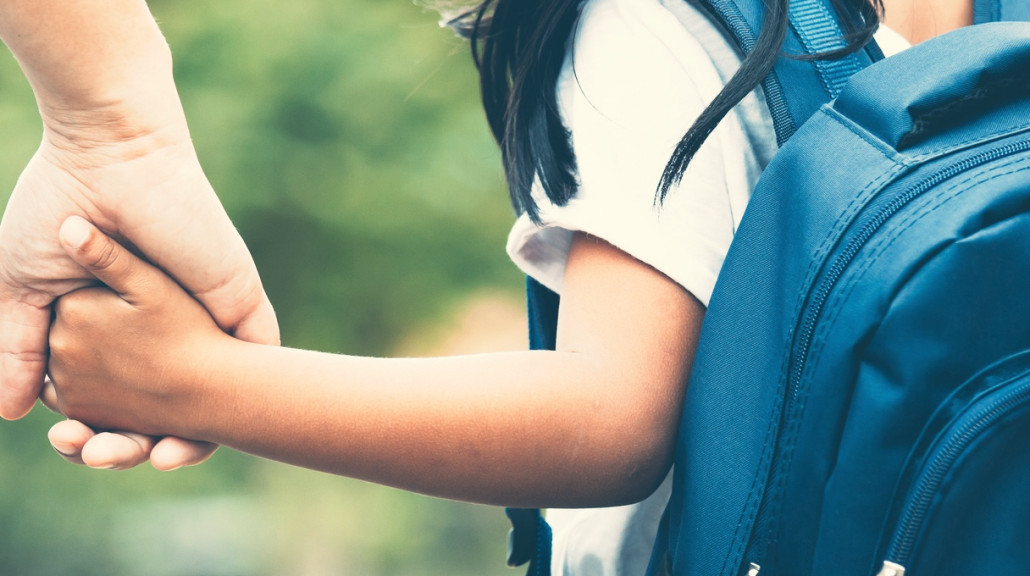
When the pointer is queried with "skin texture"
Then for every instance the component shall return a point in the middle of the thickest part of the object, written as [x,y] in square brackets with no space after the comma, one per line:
[115,150]
[919,20]
[599,415]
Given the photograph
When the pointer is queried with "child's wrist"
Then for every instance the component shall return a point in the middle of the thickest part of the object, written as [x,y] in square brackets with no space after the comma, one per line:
[205,406]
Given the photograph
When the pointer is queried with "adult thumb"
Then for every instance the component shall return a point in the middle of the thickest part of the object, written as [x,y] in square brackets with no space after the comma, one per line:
[23,355]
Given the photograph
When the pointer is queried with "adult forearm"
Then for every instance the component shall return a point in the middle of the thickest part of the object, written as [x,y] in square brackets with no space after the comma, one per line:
[98,64]
[472,428]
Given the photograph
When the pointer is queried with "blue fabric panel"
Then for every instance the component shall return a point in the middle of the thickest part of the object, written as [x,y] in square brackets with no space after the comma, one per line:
[1014,10]
[1001,10]
[947,293]
[965,64]
[979,496]
[749,408]
[725,436]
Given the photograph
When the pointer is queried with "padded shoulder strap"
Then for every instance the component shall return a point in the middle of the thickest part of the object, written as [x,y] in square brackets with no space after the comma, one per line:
[796,87]
[1001,11]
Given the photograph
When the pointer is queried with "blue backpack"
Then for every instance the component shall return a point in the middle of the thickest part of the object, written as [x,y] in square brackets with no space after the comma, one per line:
[860,399]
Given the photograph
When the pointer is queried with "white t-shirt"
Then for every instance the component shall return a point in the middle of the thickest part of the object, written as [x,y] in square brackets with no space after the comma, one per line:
[638,74]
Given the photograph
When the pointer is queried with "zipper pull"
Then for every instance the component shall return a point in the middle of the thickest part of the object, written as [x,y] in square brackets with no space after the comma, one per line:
[753,569]
[891,569]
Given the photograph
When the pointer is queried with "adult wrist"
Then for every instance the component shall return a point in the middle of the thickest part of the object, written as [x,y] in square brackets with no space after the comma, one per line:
[99,70]
[138,110]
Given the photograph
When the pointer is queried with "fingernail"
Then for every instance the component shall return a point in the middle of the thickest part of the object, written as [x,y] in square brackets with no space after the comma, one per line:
[103,466]
[74,232]
[66,449]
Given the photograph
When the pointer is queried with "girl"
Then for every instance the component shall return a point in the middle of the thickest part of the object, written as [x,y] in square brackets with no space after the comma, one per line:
[588,99]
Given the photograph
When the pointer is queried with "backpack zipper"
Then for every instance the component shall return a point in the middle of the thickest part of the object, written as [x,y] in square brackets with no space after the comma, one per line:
[817,301]
[856,244]
[891,569]
[964,429]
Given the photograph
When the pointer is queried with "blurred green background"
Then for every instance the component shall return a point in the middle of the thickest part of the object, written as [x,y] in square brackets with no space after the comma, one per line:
[346,141]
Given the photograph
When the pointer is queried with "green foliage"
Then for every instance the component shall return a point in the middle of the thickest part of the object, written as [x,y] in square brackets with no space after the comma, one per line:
[346,141]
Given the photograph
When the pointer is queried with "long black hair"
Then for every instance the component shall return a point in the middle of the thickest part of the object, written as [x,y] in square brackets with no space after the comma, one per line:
[519,48]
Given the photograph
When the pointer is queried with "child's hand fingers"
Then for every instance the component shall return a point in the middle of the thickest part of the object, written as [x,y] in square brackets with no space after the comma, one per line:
[171,453]
[117,450]
[109,261]
[148,290]
[79,444]
[68,438]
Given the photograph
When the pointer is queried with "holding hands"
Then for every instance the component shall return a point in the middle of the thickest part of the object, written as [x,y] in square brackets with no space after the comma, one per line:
[116,151]
[124,356]
[150,192]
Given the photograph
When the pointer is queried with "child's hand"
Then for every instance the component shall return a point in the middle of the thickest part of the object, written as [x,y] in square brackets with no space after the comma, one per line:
[126,356]
[80,444]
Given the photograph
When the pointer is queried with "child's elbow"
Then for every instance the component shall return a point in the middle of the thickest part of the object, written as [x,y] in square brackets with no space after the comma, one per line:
[640,478]
[637,465]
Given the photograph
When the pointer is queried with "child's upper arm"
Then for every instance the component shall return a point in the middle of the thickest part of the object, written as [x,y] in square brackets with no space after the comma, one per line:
[642,329]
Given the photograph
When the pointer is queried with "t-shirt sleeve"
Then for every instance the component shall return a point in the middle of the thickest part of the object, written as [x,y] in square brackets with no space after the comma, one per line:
[635,79]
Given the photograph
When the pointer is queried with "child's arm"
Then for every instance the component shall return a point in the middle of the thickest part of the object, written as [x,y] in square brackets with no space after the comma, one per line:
[591,424]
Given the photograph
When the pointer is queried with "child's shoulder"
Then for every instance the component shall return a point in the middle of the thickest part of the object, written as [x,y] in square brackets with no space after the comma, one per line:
[638,20]
[632,57]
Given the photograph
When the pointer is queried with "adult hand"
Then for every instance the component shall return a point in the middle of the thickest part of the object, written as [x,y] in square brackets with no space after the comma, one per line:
[116,151]
[152,194]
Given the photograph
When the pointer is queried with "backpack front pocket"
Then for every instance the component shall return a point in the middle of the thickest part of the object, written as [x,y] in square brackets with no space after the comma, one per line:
[967,483]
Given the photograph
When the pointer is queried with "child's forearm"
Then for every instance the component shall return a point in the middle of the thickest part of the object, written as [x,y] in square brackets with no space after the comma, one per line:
[472,428]
[591,424]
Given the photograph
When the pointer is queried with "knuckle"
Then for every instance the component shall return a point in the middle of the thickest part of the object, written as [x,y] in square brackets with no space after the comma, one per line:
[69,309]
[58,344]
[74,314]
[103,254]
[63,350]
